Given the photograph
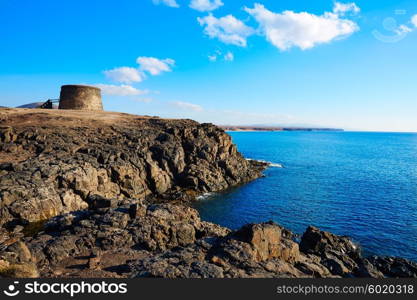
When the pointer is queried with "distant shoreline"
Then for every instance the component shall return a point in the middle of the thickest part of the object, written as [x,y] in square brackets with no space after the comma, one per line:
[261,129]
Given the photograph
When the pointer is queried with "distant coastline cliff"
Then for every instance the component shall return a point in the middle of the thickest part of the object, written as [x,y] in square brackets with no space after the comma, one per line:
[274,128]
[99,194]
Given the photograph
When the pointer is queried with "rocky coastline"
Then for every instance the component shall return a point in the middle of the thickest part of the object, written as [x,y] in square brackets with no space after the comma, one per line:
[107,195]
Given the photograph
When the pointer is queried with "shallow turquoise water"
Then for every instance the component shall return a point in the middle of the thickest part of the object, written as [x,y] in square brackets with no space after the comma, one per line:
[359,184]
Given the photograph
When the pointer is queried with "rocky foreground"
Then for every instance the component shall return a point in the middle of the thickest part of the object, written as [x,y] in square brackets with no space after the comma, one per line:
[106,195]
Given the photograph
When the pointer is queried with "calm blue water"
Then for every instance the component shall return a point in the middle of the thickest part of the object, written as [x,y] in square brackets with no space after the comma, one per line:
[359,184]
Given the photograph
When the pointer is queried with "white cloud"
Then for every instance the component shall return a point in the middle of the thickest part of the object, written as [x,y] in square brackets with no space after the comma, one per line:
[187,106]
[229,56]
[343,8]
[227,29]
[212,58]
[124,75]
[120,90]
[403,29]
[170,3]
[414,20]
[304,30]
[154,65]
[205,5]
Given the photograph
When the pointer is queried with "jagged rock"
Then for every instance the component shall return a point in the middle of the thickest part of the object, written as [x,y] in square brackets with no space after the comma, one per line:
[55,163]
[97,202]
[16,261]
[6,134]
[17,252]
[210,229]
[259,242]
[367,270]
[182,263]
[105,195]
[170,241]
[137,210]
[265,238]
[315,241]
[94,261]
[335,266]
[337,253]
[311,265]
[4,236]
[394,266]
[27,270]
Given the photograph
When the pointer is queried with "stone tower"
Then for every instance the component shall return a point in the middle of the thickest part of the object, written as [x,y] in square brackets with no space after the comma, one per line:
[80,97]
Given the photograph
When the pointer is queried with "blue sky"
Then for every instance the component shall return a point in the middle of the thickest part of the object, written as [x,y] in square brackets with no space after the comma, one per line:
[325,63]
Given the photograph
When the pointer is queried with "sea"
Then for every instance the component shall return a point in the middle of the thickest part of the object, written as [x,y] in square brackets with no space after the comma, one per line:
[359,184]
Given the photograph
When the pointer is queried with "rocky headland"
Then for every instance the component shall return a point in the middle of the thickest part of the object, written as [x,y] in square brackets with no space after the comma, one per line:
[99,194]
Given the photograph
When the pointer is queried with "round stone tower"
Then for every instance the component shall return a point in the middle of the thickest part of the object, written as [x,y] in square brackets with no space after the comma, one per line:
[80,97]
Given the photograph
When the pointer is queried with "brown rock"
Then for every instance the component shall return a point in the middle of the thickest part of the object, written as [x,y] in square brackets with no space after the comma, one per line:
[17,252]
[319,242]
[367,270]
[27,270]
[394,266]
[137,210]
[97,202]
[94,263]
[311,265]
[60,158]
[265,238]
[267,241]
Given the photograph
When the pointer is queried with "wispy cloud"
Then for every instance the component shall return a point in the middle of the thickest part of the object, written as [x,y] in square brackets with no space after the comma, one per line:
[229,56]
[154,65]
[187,106]
[403,29]
[170,3]
[124,75]
[205,5]
[228,29]
[343,8]
[120,90]
[217,55]
[303,30]
[414,20]
[212,58]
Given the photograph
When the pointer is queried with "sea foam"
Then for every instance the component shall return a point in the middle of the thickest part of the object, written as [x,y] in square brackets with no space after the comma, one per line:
[205,196]
[271,164]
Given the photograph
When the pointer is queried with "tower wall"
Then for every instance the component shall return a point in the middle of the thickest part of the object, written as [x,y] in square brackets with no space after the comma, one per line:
[80,97]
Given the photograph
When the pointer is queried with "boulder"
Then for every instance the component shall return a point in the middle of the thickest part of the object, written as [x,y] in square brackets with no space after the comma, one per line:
[367,270]
[337,253]
[267,242]
[315,241]
[311,265]
[394,266]
[97,202]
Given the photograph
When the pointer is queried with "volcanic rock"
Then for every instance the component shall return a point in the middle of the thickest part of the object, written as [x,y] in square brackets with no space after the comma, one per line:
[96,194]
